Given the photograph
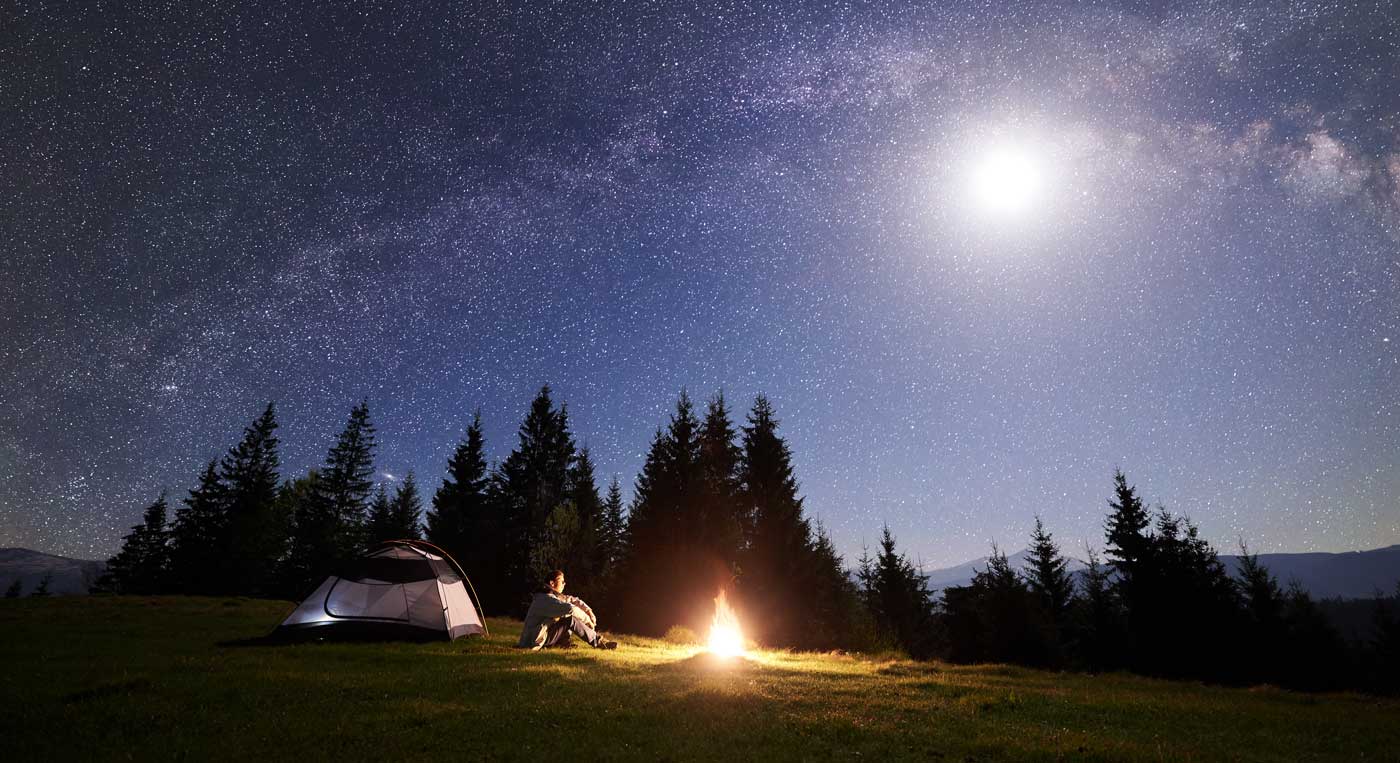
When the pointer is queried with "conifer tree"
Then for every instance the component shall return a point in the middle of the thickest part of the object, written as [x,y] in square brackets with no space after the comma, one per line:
[721,523]
[294,501]
[777,558]
[464,521]
[996,618]
[379,524]
[142,566]
[329,526]
[532,481]
[660,584]
[1127,530]
[897,596]
[255,533]
[1097,622]
[611,535]
[198,530]
[583,560]
[1048,575]
[15,588]
[407,509]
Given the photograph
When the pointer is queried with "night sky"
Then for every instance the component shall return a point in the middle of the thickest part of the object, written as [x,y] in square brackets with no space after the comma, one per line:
[977,254]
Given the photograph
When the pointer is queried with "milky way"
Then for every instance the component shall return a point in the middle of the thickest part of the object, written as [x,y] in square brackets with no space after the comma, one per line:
[440,209]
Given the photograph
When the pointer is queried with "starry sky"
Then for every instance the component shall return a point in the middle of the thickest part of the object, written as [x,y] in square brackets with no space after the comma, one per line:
[978,254]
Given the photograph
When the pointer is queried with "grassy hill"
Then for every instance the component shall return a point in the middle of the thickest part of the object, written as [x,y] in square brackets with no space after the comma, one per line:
[148,678]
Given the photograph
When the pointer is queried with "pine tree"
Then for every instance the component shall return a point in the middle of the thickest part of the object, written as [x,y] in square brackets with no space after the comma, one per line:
[1097,628]
[722,525]
[898,598]
[142,566]
[15,588]
[660,574]
[379,524]
[295,500]
[1127,530]
[407,509]
[1048,574]
[198,530]
[611,536]
[777,557]
[532,482]
[329,526]
[255,535]
[464,521]
[583,559]
[996,618]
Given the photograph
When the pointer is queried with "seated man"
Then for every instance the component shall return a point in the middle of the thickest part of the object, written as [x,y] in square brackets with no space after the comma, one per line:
[552,615]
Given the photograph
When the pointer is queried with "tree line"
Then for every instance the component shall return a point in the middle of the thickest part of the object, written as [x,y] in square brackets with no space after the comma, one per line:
[1157,602]
[717,506]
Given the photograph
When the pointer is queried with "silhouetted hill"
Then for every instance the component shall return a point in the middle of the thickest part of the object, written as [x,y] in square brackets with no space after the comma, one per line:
[70,576]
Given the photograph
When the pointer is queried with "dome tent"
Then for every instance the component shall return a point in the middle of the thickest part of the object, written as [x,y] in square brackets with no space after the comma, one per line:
[398,590]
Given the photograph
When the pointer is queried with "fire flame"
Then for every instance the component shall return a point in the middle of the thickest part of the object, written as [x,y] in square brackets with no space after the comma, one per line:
[726,639]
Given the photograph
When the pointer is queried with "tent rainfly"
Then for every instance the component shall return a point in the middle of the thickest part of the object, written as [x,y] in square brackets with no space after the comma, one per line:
[399,590]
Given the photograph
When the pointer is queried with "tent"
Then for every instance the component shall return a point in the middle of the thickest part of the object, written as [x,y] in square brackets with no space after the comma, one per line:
[399,590]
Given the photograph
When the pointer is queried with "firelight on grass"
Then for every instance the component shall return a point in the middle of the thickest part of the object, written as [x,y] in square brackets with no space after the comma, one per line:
[726,638]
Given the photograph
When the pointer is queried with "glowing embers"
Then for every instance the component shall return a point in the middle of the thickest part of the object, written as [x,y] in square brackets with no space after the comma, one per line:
[726,638]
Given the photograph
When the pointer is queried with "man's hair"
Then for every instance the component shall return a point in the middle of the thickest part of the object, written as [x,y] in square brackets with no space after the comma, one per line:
[552,577]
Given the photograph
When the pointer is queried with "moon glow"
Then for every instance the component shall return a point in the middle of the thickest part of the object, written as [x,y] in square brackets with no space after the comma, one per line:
[1006,182]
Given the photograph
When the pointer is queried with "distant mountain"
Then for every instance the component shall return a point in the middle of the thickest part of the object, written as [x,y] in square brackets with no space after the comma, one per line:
[1347,575]
[69,576]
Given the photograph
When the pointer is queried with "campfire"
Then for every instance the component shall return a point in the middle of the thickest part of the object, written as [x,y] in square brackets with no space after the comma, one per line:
[726,639]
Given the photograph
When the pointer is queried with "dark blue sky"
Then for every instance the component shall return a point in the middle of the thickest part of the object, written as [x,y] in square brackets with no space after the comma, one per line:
[978,255]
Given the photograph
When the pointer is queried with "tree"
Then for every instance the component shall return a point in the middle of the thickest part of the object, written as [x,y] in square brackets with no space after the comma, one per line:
[464,521]
[1048,576]
[379,526]
[254,536]
[42,590]
[662,582]
[583,558]
[722,521]
[1097,622]
[1263,599]
[198,530]
[531,482]
[1127,530]
[777,560]
[329,527]
[897,596]
[407,509]
[142,566]
[14,590]
[612,532]
[996,618]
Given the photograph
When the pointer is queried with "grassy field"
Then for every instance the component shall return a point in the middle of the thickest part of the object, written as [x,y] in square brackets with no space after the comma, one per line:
[120,678]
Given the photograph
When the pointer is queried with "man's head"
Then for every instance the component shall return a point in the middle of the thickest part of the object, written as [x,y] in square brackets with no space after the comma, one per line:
[555,582]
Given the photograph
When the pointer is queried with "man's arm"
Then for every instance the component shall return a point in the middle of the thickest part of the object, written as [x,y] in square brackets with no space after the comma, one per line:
[583,611]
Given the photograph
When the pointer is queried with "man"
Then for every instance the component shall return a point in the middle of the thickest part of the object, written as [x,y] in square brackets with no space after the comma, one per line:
[552,615]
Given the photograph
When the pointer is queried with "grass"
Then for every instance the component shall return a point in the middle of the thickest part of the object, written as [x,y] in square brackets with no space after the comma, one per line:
[120,678]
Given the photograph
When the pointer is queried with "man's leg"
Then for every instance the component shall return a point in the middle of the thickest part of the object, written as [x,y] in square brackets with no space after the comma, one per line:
[584,631]
[591,637]
[557,634]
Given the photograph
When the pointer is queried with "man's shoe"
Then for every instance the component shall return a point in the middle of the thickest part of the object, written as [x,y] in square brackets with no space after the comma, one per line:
[605,644]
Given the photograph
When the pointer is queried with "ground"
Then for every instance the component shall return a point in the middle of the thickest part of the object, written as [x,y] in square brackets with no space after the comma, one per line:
[166,677]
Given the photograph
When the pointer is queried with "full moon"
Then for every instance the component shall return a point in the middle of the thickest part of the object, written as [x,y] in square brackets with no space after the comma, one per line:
[1005,181]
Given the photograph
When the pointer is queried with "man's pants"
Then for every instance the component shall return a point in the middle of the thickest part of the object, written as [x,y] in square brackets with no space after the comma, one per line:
[558,632]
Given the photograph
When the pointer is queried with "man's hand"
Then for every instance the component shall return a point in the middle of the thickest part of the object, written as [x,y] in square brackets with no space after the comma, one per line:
[582,616]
